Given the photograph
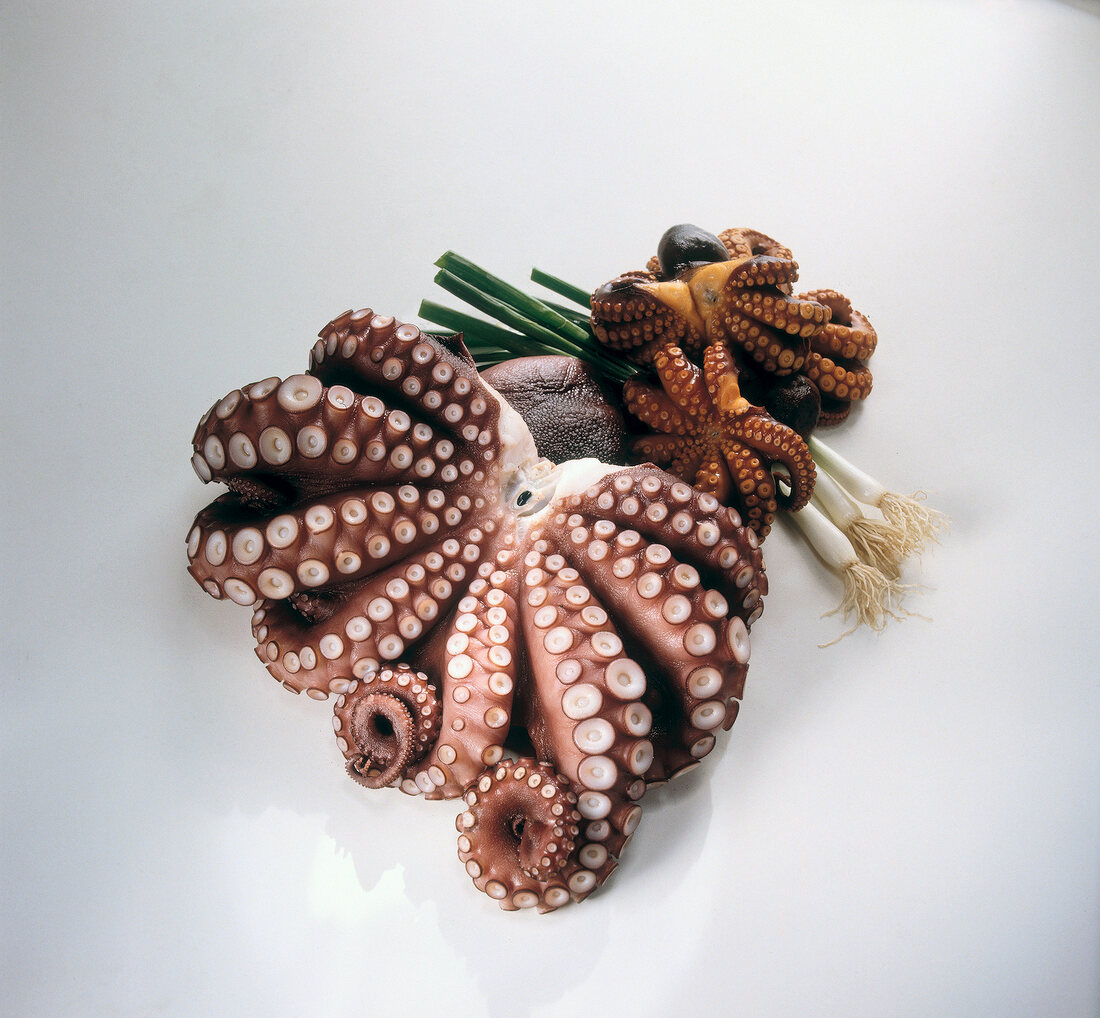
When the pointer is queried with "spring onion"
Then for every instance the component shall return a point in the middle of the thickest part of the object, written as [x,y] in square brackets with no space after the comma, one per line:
[526,324]
[875,540]
[917,523]
[870,595]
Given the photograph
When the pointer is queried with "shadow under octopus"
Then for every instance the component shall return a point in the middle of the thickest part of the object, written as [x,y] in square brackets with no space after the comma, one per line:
[544,641]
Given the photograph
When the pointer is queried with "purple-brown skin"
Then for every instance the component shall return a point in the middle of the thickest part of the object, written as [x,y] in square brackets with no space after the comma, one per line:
[406,551]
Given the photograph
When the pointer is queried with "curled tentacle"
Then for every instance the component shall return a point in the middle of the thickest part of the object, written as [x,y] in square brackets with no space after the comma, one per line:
[682,382]
[518,836]
[835,363]
[385,724]
[746,243]
[777,443]
[755,488]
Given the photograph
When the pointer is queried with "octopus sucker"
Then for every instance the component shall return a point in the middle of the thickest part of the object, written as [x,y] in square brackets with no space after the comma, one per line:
[406,552]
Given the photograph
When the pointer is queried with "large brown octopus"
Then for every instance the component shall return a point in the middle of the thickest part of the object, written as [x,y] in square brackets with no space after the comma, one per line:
[544,641]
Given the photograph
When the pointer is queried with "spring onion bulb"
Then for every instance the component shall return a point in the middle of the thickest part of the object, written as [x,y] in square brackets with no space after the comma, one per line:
[876,541]
[917,523]
[870,595]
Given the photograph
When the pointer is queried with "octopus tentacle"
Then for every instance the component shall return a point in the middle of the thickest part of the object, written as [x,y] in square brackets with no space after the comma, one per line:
[744,243]
[295,437]
[848,334]
[768,324]
[653,407]
[754,484]
[765,270]
[479,670]
[370,352]
[679,623]
[689,460]
[661,449]
[720,373]
[833,411]
[843,380]
[682,382]
[243,555]
[694,525]
[779,311]
[387,722]
[628,316]
[376,619]
[517,837]
[835,362]
[713,476]
[778,444]
[775,353]
[597,739]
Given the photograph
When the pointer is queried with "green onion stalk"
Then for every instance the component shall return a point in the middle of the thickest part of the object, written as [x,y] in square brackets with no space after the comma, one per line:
[859,529]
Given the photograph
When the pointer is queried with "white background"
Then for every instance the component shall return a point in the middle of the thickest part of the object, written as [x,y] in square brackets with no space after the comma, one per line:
[903,824]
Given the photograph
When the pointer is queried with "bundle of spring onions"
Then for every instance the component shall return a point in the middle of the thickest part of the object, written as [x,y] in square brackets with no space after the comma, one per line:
[858,528]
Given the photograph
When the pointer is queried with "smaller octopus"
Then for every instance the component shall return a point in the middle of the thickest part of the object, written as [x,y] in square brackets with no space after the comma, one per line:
[737,288]
[742,296]
[712,436]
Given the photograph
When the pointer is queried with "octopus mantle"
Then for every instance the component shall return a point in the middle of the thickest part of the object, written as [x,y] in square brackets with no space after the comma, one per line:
[467,603]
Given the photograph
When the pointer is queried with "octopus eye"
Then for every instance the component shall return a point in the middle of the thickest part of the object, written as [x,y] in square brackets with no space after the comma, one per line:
[531,495]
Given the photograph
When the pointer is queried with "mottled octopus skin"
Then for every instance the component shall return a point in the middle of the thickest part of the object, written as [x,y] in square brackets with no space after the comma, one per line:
[570,411]
[406,551]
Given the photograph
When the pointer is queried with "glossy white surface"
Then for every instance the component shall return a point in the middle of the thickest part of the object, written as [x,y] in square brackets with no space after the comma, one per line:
[903,824]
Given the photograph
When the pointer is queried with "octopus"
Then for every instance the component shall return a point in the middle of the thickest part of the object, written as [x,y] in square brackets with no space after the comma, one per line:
[744,299]
[738,289]
[710,433]
[543,642]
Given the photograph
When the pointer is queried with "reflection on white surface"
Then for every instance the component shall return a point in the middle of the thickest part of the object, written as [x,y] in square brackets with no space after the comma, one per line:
[905,824]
